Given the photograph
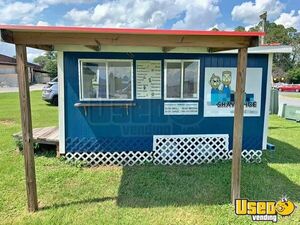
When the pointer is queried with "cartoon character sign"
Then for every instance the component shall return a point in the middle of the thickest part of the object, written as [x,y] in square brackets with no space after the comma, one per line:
[220,94]
[215,82]
[220,91]
[226,81]
[224,94]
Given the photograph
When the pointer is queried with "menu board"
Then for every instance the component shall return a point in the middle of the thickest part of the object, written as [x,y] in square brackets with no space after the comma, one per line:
[181,108]
[148,79]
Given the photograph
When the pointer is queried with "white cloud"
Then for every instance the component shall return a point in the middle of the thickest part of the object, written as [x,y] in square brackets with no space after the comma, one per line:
[26,12]
[221,27]
[42,23]
[20,11]
[248,12]
[291,19]
[9,49]
[32,53]
[148,14]
[198,14]
[247,28]
[56,2]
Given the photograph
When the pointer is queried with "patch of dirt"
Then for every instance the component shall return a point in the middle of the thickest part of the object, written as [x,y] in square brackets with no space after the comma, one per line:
[7,122]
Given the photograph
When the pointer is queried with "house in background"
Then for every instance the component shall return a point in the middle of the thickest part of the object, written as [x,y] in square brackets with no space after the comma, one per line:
[8,72]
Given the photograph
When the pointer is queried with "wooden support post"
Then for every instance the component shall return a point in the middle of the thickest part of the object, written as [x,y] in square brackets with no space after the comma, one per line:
[57,150]
[238,124]
[26,127]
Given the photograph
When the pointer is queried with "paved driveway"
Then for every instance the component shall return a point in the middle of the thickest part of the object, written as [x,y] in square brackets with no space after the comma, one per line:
[35,87]
[289,100]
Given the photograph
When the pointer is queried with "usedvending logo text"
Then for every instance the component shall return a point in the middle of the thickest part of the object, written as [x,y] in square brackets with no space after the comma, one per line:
[264,210]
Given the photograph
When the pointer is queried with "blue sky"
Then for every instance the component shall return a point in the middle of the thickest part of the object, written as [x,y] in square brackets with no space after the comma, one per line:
[168,14]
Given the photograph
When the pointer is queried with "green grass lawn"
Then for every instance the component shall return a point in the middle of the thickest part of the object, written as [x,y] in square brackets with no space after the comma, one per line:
[140,194]
[290,95]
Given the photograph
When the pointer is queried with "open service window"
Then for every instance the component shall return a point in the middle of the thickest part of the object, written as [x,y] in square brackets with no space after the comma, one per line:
[181,79]
[106,80]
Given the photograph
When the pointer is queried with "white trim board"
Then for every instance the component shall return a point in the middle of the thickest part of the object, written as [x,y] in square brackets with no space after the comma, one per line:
[149,49]
[267,105]
[112,48]
[265,49]
[61,102]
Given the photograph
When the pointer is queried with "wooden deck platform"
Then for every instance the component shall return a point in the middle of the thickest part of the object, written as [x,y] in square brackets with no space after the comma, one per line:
[44,135]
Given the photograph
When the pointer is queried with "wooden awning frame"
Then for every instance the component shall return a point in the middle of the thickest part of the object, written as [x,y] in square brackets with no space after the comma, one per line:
[47,37]
[43,37]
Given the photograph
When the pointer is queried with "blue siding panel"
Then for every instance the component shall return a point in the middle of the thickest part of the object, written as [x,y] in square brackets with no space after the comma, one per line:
[118,129]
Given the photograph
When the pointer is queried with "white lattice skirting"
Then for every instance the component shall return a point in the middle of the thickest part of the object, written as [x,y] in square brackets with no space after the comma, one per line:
[250,156]
[189,149]
[170,150]
[111,158]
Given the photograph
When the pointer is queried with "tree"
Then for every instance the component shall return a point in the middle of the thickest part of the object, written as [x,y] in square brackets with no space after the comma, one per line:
[294,75]
[48,62]
[214,29]
[277,33]
[240,28]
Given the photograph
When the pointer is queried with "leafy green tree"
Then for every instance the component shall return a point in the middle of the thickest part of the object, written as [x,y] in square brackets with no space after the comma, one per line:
[48,62]
[277,33]
[240,28]
[286,36]
[294,75]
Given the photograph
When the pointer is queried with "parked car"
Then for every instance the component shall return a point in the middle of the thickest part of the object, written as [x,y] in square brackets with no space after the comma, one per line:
[277,85]
[290,87]
[50,92]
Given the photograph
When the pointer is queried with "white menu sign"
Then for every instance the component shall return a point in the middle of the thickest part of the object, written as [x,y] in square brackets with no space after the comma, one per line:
[181,108]
[148,79]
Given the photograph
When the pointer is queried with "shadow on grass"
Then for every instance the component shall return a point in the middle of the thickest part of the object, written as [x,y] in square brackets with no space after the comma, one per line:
[287,128]
[162,186]
[155,186]
[51,105]
[44,150]
[284,152]
[87,201]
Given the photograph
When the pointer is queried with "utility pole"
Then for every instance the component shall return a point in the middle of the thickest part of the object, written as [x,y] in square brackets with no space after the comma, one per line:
[263,19]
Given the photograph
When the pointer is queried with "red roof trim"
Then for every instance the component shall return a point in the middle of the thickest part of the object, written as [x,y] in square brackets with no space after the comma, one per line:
[128,31]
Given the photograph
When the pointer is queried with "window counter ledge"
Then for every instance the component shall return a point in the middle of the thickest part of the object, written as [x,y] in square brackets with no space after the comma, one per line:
[86,105]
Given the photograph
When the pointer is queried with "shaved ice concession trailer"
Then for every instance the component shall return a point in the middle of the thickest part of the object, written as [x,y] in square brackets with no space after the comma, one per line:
[130,105]
[128,96]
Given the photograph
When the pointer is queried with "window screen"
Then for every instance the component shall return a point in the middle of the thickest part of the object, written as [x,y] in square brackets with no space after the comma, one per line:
[106,80]
[119,76]
[182,79]
[173,80]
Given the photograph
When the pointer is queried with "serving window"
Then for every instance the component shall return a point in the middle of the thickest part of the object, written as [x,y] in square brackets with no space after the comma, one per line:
[106,79]
[181,79]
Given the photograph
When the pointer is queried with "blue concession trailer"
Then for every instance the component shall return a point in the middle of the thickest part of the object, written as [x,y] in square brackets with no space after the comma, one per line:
[128,96]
